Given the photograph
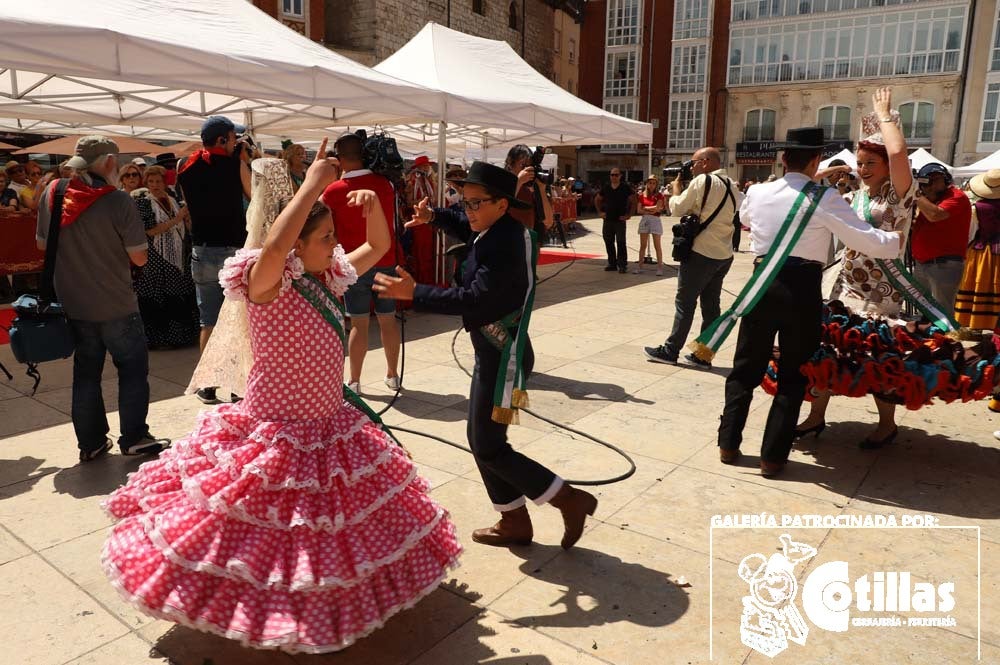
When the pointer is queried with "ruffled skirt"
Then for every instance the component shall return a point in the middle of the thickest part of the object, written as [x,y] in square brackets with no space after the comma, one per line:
[977,304]
[298,535]
[907,364]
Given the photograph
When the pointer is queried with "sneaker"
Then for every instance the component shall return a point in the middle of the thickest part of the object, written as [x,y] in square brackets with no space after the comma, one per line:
[147,445]
[610,268]
[697,362]
[207,396]
[622,270]
[636,270]
[660,354]
[355,387]
[97,453]
[659,272]
[392,382]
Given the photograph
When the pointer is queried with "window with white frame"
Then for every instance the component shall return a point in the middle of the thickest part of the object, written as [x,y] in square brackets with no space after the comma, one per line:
[752,10]
[556,40]
[995,60]
[684,131]
[836,122]
[623,22]
[900,43]
[572,51]
[991,115]
[689,65]
[917,120]
[625,110]
[690,19]
[292,7]
[759,125]
[619,78]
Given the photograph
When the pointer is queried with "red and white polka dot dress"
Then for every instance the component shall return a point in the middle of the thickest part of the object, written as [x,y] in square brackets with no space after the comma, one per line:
[288,520]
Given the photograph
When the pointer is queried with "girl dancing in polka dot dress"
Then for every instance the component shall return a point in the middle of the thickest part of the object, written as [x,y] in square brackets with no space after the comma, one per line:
[290,520]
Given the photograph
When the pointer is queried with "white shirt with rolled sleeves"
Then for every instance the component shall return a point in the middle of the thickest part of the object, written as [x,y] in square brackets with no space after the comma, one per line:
[716,241]
[766,205]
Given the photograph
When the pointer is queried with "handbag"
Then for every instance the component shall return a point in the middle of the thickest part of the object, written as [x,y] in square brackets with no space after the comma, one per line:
[41,332]
[691,225]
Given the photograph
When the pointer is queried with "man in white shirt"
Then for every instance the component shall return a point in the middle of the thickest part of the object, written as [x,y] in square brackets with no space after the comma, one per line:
[701,275]
[791,307]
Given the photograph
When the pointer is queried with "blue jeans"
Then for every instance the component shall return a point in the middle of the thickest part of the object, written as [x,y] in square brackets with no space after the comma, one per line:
[125,340]
[700,278]
[206,262]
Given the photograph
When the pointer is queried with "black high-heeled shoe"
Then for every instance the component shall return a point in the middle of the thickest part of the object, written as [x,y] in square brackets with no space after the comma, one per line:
[815,429]
[874,444]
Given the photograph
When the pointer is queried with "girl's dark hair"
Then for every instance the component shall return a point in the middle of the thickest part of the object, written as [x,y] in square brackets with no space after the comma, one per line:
[515,154]
[313,219]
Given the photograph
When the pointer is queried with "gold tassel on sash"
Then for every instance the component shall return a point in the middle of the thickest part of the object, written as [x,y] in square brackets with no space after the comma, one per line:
[505,416]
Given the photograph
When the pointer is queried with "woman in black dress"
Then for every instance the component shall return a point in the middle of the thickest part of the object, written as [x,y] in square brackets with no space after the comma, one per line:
[164,287]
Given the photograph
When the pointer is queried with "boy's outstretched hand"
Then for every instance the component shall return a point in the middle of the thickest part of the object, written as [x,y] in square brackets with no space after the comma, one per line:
[399,288]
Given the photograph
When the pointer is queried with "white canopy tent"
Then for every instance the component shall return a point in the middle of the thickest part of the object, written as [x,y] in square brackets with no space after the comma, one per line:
[495,98]
[846,156]
[920,158]
[146,63]
[982,166]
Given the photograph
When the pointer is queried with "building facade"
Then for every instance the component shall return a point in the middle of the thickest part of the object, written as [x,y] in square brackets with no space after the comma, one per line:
[799,63]
[660,61]
[979,133]
[303,16]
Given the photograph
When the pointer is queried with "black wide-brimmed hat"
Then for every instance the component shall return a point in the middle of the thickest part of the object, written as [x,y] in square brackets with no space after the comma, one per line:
[803,138]
[499,182]
[167,160]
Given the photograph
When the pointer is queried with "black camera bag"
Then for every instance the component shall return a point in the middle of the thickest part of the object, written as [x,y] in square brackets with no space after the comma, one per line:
[691,225]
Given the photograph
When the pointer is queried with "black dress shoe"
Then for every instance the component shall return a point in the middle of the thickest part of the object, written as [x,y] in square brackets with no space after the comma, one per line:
[874,444]
[610,268]
[816,430]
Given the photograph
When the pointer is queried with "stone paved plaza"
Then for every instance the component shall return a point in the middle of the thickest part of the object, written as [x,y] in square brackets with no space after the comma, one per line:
[635,591]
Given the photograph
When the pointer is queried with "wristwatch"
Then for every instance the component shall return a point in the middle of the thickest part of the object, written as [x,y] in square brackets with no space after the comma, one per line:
[889,119]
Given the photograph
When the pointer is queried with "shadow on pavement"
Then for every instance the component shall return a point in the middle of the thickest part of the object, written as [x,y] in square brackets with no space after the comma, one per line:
[584,390]
[612,591]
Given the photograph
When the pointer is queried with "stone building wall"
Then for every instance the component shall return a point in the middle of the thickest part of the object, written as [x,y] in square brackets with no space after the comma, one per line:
[383,26]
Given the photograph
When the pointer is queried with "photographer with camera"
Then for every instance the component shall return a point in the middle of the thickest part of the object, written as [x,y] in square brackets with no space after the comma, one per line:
[615,203]
[940,233]
[532,188]
[348,220]
[704,246]
[214,181]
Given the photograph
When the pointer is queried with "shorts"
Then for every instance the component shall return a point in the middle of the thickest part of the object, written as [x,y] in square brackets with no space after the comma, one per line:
[651,224]
[358,298]
[206,262]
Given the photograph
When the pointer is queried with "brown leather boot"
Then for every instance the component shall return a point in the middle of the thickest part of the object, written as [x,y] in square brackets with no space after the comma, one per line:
[514,528]
[575,505]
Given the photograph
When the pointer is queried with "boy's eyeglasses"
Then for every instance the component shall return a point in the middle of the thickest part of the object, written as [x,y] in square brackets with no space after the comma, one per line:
[473,204]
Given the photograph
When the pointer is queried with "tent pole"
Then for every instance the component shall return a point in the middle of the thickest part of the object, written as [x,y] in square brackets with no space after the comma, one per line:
[649,157]
[439,238]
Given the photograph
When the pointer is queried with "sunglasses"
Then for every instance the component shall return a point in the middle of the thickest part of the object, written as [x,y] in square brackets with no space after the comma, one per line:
[131,174]
[616,175]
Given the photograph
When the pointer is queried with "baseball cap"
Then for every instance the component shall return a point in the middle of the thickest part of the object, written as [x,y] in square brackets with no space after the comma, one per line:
[216,126]
[139,161]
[12,164]
[927,170]
[89,149]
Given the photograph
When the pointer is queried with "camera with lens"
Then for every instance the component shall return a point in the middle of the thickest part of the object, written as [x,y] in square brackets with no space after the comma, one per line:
[544,177]
[244,145]
[683,170]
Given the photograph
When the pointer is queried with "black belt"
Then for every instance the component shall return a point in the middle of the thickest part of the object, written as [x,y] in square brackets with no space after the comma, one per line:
[942,259]
[791,262]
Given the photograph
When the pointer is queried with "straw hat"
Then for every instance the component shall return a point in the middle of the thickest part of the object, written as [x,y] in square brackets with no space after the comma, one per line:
[986,185]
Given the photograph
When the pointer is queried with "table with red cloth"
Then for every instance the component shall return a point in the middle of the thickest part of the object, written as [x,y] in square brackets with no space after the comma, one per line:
[18,249]
[565,207]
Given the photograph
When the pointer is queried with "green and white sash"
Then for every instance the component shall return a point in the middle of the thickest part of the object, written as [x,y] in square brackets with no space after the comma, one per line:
[902,279]
[509,395]
[708,343]
[331,309]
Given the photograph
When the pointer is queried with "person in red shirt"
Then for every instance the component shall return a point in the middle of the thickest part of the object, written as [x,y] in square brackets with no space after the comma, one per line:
[350,227]
[940,234]
[650,204]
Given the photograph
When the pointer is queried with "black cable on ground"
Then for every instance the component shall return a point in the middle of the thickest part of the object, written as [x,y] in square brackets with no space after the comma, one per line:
[454,354]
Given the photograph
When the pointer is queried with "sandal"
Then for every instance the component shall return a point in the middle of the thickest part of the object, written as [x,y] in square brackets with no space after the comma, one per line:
[96,453]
